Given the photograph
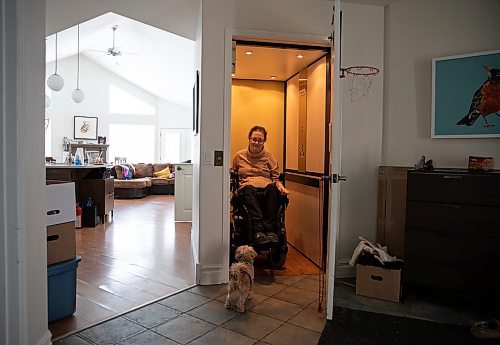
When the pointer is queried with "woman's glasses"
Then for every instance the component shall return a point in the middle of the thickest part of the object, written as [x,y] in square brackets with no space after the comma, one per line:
[257,140]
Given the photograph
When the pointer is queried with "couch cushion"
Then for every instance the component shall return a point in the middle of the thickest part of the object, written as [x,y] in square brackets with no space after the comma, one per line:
[143,170]
[134,183]
[160,166]
[157,181]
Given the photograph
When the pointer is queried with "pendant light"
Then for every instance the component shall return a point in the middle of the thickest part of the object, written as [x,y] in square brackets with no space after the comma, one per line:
[55,81]
[77,95]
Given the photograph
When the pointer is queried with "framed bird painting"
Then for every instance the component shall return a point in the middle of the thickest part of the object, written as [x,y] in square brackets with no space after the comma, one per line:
[466,96]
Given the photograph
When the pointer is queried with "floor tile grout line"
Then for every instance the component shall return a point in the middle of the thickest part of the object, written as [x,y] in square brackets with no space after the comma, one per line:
[123,313]
[189,289]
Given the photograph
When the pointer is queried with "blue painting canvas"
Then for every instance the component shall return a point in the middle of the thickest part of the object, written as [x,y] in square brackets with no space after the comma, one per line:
[466,96]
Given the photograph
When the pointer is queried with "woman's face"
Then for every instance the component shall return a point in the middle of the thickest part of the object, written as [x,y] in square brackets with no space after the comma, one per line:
[256,142]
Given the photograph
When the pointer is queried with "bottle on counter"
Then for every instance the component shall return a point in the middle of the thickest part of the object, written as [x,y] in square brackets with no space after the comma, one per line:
[78,220]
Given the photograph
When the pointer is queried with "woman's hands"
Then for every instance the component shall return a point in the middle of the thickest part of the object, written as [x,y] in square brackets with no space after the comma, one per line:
[282,188]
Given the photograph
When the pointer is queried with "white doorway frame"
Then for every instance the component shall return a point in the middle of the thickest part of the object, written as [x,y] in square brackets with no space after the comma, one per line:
[279,37]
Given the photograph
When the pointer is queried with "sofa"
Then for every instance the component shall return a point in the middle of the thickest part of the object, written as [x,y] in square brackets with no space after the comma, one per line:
[142,179]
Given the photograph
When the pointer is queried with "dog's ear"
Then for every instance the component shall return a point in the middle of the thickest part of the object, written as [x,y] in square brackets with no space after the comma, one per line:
[253,253]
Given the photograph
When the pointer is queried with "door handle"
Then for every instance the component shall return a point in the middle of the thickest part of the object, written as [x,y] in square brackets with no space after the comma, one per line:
[336,178]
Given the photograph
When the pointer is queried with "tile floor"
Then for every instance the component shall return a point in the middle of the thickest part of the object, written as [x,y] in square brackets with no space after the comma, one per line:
[419,307]
[282,311]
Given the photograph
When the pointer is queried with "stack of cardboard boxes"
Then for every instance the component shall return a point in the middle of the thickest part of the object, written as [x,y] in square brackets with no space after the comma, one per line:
[61,249]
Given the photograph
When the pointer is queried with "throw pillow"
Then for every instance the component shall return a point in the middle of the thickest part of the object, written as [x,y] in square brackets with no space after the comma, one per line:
[163,173]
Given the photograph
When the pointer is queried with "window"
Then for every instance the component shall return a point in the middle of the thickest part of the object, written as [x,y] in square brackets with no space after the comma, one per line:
[123,102]
[175,145]
[135,142]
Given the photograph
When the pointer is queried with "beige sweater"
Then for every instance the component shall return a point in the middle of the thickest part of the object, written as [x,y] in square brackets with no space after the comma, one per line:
[257,170]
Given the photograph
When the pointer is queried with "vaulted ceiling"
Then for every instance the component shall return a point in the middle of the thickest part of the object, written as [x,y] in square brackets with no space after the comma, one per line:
[157,61]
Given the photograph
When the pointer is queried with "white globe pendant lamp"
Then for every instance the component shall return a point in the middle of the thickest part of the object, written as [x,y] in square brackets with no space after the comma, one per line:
[78,95]
[55,81]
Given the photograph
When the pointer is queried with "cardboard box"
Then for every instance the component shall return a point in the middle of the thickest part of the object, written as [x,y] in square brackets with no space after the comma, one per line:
[60,202]
[378,283]
[61,242]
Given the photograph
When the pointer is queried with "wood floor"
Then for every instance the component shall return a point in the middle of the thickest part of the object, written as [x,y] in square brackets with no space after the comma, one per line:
[138,256]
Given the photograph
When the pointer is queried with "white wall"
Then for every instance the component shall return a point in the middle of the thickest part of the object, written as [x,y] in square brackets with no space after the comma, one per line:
[23,262]
[95,82]
[416,32]
[362,44]
[288,17]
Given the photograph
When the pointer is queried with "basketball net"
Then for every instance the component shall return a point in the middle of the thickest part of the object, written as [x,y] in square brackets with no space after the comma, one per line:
[360,79]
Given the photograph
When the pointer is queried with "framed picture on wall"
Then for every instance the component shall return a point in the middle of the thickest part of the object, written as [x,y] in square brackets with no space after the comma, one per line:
[85,127]
[196,105]
[466,96]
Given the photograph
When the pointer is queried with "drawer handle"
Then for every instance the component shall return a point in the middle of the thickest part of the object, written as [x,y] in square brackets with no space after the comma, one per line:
[451,206]
[53,212]
[454,177]
[52,238]
[378,278]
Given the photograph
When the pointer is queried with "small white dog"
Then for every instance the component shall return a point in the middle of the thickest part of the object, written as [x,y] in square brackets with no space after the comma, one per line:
[241,276]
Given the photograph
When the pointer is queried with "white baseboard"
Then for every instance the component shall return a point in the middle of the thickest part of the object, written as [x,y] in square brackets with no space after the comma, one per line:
[344,270]
[46,339]
[210,274]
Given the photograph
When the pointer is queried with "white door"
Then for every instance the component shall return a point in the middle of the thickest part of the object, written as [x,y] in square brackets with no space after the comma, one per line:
[335,152]
[183,192]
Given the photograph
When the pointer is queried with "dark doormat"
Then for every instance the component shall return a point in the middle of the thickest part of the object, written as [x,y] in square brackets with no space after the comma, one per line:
[358,327]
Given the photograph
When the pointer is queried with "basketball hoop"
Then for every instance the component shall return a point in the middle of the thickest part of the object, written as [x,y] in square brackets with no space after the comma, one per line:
[360,80]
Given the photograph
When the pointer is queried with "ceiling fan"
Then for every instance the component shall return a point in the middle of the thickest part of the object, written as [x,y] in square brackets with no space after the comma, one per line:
[114,50]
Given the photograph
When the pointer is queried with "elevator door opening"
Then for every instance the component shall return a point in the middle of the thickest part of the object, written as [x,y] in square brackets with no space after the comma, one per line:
[286,89]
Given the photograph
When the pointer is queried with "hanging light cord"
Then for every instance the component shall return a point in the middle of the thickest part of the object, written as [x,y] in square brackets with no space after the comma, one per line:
[78,61]
[56,55]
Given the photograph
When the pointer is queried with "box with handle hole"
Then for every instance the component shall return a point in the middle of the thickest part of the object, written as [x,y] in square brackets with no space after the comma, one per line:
[377,282]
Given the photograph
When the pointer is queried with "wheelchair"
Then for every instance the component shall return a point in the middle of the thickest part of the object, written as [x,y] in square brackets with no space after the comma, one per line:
[241,228]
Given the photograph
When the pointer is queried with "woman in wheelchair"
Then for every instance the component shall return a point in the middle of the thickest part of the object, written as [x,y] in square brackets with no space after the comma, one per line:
[260,189]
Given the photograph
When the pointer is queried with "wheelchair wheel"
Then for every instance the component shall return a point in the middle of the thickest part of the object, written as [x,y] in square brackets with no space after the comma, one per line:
[277,256]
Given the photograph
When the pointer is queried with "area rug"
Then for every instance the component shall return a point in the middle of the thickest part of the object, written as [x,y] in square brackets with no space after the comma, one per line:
[356,327]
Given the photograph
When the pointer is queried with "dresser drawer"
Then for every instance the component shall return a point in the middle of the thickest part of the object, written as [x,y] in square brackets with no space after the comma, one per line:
[465,219]
[468,279]
[459,188]
[452,247]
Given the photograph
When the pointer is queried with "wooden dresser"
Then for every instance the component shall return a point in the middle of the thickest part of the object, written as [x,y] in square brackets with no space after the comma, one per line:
[452,233]
[102,193]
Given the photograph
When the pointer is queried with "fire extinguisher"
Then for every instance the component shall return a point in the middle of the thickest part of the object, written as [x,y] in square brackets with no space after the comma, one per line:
[78,220]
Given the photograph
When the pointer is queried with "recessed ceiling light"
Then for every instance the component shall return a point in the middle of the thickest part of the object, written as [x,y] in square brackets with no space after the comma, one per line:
[233,74]
[300,56]
[249,52]
[273,77]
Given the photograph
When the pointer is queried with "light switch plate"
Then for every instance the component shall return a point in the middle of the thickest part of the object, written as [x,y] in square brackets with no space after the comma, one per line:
[218,158]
